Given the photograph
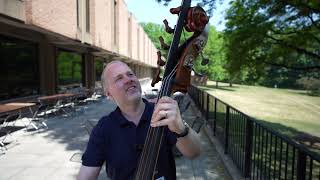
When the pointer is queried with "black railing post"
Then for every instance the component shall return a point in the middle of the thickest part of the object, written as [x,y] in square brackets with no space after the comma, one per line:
[301,166]
[215,117]
[226,133]
[248,148]
[198,99]
[202,102]
[252,160]
[208,110]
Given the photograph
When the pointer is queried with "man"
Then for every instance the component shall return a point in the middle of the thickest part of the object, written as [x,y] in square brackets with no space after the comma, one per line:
[117,139]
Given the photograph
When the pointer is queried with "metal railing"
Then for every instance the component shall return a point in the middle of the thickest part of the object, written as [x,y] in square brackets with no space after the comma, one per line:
[258,151]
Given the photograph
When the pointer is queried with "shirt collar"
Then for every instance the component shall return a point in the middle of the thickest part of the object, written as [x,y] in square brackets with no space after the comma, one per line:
[146,116]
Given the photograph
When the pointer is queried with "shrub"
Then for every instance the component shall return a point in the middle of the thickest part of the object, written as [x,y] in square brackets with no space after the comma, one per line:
[312,85]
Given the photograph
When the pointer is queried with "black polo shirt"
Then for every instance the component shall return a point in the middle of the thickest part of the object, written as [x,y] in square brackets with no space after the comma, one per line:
[118,142]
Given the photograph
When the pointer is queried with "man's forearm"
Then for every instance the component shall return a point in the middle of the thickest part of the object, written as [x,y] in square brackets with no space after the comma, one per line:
[190,145]
[88,173]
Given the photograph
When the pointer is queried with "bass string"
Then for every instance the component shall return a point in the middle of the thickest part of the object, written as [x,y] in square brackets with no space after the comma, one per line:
[149,144]
[145,158]
[166,91]
[153,134]
[155,142]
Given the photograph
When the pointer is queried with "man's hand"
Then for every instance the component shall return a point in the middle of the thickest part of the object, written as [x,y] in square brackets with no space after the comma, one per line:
[167,113]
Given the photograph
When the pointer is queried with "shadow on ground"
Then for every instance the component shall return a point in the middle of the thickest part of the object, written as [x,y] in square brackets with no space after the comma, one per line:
[71,130]
[306,139]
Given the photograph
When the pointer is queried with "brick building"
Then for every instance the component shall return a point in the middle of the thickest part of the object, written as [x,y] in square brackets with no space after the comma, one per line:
[45,45]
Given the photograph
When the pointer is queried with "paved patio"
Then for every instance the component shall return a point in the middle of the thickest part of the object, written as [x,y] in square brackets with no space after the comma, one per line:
[55,153]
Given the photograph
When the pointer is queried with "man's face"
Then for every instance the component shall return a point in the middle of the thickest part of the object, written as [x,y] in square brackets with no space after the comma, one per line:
[123,86]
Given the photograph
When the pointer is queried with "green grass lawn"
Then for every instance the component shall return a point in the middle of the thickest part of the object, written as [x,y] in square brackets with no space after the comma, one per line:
[288,111]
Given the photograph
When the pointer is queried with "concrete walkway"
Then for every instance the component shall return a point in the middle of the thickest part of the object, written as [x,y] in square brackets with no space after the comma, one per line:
[206,167]
[55,153]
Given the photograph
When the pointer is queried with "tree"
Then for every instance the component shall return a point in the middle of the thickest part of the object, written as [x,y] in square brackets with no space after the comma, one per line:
[209,5]
[278,33]
[154,31]
[310,84]
[214,50]
[261,35]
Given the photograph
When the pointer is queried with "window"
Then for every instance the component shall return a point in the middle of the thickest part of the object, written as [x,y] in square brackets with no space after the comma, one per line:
[70,68]
[138,42]
[115,14]
[129,37]
[19,73]
[88,15]
[78,14]
[99,65]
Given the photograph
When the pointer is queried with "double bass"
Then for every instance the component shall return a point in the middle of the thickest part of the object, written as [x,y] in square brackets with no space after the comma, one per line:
[177,74]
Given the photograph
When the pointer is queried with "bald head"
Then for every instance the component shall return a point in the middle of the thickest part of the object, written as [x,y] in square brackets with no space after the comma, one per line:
[104,81]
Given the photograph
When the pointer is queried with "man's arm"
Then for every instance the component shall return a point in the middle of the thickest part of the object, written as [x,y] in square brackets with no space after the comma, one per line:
[88,173]
[167,113]
[190,145]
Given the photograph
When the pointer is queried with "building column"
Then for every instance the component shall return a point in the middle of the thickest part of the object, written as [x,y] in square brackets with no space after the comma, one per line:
[89,71]
[47,67]
[134,68]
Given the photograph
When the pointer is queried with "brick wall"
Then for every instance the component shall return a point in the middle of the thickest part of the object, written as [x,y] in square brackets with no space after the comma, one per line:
[110,25]
[103,24]
[134,37]
[54,15]
[123,29]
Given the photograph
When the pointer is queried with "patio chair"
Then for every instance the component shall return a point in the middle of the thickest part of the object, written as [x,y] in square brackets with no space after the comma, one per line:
[38,117]
[79,104]
[12,118]
[81,100]
[6,130]
[2,149]
[3,117]
[63,105]
[2,121]
[93,98]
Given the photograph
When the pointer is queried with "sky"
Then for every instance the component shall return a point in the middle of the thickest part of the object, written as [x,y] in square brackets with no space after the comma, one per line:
[152,11]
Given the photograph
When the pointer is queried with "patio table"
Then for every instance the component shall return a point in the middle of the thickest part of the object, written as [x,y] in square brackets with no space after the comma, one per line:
[52,99]
[15,106]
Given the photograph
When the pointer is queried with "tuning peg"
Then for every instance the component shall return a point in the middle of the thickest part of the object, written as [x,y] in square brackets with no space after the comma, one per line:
[167,27]
[204,61]
[163,45]
[160,62]
[156,78]
[175,10]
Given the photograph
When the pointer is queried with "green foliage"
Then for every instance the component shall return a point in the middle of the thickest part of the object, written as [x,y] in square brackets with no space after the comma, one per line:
[154,31]
[214,50]
[268,42]
[69,68]
[208,5]
[262,33]
[99,65]
[310,84]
